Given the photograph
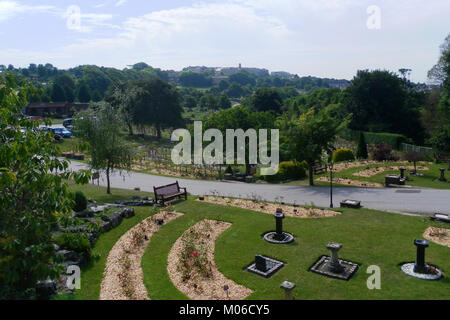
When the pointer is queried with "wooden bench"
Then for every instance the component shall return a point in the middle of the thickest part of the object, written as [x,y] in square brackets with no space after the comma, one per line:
[441,217]
[318,170]
[169,192]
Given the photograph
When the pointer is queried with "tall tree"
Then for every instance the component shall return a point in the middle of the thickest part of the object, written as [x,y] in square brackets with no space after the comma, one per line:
[158,105]
[100,130]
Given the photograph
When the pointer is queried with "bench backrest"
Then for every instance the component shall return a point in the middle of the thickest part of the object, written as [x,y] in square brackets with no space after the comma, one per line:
[168,189]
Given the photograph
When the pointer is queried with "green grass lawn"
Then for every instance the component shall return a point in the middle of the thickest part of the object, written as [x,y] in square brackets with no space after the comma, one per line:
[369,238]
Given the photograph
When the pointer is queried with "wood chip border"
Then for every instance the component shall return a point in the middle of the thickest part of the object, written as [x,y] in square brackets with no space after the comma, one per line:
[123,276]
[199,288]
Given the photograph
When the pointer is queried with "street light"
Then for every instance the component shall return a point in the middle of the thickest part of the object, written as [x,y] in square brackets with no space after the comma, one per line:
[330,165]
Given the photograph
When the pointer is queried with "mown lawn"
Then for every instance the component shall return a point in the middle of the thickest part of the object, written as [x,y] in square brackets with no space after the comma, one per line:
[369,238]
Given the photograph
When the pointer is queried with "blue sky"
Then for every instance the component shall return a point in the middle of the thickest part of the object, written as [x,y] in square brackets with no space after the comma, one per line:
[327,38]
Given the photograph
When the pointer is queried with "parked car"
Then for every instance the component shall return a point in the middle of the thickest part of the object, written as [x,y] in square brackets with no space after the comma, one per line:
[62,132]
[58,137]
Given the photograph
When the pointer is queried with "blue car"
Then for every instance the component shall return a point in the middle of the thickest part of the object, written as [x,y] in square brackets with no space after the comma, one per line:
[63,132]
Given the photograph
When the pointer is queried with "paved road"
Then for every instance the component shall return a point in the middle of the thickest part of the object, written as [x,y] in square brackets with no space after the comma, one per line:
[409,201]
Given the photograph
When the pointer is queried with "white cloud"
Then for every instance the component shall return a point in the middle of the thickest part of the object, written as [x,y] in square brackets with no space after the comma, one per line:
[120,3]
[10,9]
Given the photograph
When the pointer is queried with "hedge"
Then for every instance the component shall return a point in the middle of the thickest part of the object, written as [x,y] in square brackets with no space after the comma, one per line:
[394,140]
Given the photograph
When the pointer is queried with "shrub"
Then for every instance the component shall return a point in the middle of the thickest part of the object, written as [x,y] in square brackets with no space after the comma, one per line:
[80,201]
[361,152]
[77,242]
[289,170]
[343,155]
[382,152]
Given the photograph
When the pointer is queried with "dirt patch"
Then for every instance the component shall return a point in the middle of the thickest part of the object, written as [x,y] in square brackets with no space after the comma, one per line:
[370,172]
[191,265]
[438,235]
[271,208]
[355,183]
[123,277]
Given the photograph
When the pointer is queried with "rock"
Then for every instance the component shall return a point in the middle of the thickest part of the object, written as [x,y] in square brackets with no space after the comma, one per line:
[105,226]
[127,212]
[56,247]
[45,289]
[68,255]
[84,214]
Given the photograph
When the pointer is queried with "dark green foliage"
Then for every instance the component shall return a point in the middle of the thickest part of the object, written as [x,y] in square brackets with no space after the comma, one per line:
[293,170]
[380,101]
[193,79]
[394,140]
[58,93]
[157,104]
[289,170]
[77,242]
[266,99]
[83,94]
[243,78]
[305,138]
[224,102]
[229,170]
[342,155]
[361,152]
[80,201]
[190,102]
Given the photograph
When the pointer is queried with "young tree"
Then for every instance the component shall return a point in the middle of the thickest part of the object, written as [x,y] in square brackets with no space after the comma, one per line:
[414,156]
[306,138]
[32,193]
[361,152]
[100,129]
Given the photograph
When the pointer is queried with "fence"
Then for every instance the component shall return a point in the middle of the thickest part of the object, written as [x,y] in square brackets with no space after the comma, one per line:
[405,147]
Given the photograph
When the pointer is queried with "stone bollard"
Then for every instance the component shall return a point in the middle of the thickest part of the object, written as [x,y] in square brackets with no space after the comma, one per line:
[420,266]
[442,178]
[335,265]
[287,287]
[279,216]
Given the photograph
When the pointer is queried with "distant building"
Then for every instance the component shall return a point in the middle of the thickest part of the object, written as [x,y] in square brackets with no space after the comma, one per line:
[57,108]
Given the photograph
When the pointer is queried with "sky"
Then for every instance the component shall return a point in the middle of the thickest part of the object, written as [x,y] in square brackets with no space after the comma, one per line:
[324,38]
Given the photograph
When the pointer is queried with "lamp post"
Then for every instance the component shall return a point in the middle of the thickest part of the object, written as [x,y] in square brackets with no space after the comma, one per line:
[330,165]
